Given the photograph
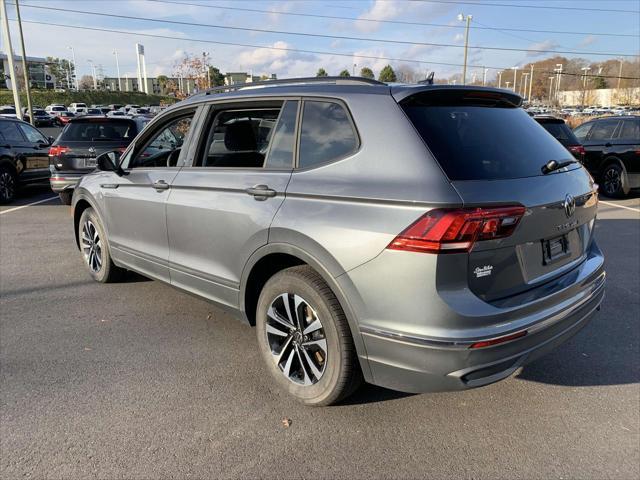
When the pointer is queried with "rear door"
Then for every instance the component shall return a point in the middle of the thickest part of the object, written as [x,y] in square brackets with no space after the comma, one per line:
[627,148]
[221,206]
[36,153]
[598,144]
[493,154]
[134,203]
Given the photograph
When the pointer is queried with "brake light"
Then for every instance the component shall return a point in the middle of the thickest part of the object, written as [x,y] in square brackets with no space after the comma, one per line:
[456,230]
[579,149]
[57,150]
[496,341]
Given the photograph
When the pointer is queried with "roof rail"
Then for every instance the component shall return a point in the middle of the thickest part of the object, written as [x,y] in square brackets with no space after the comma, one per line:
[294,81]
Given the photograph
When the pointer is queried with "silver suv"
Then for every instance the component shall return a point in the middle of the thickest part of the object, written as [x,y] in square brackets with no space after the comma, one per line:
[423,238]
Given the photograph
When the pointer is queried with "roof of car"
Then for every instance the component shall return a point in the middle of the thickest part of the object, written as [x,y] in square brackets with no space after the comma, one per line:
[548,119]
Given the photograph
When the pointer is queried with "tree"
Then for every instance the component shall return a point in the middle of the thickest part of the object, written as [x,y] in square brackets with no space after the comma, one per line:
[599,82]
[163,80]
[322,73]
[217,77]
[86,82]
[62,70]
[406,74]
[345,73]
[366,72]
[387,74]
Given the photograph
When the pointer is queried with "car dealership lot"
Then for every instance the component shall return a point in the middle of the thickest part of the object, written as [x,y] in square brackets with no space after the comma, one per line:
[138,380]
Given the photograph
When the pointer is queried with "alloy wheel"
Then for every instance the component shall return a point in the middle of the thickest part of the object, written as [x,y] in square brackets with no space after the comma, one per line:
[7,186]
[297,339]
[612,181]
[91,246]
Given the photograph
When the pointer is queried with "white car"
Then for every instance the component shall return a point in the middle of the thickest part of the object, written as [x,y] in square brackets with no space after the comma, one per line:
[55,109]
[78,108]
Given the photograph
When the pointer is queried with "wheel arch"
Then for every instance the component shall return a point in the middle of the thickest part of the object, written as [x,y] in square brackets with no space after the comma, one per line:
[81,201]
[613,160]
[274,257]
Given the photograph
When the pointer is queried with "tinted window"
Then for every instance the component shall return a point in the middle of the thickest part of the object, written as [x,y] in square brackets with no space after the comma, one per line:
[93,131]
[282,143]
[8,111]
[9,131]
[163,147]
[239,138]
[582,131]
[603,130]
[561,132]
[326,134]
[33,135]
[485,143]
[630,129]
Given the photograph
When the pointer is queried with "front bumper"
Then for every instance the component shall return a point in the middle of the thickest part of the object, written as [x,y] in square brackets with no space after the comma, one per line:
[61,182]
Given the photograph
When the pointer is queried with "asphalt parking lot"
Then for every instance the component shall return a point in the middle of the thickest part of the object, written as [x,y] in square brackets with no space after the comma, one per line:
[137,380]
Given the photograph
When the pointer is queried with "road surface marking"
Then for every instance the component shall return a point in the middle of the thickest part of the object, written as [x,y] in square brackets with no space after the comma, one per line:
[27,205]
[621,206]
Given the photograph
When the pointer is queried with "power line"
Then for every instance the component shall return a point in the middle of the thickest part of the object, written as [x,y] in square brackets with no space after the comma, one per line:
[297,50]
[319,35]
[393,22]
[541,7]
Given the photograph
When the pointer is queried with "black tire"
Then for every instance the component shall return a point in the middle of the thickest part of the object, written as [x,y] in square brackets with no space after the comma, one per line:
[8,184]
[613,184]
[341,373]
[106,271]
[65,197]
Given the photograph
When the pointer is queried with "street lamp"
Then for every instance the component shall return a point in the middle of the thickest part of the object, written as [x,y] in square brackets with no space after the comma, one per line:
[75,68]
[93,73]
[525,75]
[585,70]
[463,18]
[500,79]
[115,52]
[558,71]
[515,77]
[551,90]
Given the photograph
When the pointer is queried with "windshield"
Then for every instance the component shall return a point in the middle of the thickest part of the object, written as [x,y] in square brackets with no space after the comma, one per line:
[485,143]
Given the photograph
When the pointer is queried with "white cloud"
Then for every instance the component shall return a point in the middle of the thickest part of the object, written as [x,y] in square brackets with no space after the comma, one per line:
[544,45]
[588,40]
[392,9]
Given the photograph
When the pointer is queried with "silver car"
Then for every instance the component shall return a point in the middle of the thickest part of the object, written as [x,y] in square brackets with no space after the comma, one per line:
[422,238]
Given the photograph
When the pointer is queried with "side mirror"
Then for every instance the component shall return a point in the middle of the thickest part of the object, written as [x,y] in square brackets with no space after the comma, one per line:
[109,162]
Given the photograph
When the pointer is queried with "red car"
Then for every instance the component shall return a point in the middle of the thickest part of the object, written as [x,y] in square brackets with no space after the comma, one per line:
[64,117]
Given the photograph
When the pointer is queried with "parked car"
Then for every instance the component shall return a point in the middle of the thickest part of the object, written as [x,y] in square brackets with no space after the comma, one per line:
[55,109]
[128,107]
[114,106]
[74,152]
[94,111]
[78,108]
[439,249]
[8,111]
[116,113]
[612,152]
[23,157]
[62,118]
[40,117]
[561,132]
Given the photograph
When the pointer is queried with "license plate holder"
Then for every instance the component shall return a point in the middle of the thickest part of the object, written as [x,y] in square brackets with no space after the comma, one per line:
[555,249]
[89,162]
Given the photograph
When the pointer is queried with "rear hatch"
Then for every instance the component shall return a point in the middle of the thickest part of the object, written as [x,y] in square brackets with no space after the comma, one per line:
[83,139]
[493,153]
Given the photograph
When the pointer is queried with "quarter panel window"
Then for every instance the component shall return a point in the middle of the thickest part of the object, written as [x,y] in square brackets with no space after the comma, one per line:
[582,131]
[630,129]
[327,133]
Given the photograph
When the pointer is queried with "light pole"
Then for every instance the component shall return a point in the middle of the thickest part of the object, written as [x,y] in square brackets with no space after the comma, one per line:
[500,79]
[525,76]
[530,83]
[115,52]
[93,74]
[508,83]
[484,76]
[462,18]
[558,70]
[25,68]
[354,70]
[515,77]
[551,89]
[12,70]
[75,68]
[620,74]
[585,70]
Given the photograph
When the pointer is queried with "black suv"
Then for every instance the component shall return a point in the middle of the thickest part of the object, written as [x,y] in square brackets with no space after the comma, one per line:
[612,152]
[561,132]
[74,153]
[23,156]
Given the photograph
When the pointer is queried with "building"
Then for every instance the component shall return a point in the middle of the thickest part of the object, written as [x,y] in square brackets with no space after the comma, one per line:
[186,85]
[602,97]
[232,78]
[39,75]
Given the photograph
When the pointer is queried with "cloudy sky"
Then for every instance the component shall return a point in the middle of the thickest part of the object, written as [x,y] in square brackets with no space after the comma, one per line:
[298,55]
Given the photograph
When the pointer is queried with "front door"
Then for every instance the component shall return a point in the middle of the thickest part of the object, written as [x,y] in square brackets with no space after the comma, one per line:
[135,202]
[221,207]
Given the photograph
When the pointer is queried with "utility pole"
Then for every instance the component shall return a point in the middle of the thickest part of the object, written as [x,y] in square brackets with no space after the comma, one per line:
[484,76]
[620,74]
[7,42]
[461,17]
[93,74]
[530,83]
[27,87]
[551,90]
[525,75]
[138,48]
[559,70]
[75,67]
[584,83]
[500,79]
[515,77]
[354,70]
[115,52]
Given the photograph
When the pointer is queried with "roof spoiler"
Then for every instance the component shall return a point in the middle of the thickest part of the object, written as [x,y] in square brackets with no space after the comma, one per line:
[434,95]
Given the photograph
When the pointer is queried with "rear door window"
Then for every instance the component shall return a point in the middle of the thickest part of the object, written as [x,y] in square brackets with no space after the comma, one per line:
[327,134]
[479,142]
[33,135]
[10,132]
[603,130]
[94,131]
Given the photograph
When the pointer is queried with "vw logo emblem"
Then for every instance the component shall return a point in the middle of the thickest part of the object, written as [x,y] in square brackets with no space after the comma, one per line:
[569,205]
[92,150]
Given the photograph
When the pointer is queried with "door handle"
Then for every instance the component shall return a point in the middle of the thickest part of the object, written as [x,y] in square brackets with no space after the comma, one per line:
[261,192]
[109,185]
[160,185]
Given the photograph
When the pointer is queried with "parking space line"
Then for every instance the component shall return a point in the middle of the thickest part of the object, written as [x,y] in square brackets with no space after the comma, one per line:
[621,206]
[27,205]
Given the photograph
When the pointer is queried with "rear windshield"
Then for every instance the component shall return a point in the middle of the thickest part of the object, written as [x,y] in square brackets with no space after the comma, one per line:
[561,132]
[472,142]
[92,131]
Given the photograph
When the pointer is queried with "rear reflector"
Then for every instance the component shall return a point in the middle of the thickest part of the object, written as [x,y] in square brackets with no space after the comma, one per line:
[496,341]
[57,150]
[456,230]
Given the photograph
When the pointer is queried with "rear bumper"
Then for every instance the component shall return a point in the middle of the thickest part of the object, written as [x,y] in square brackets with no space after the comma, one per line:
[61,182]
[416,342]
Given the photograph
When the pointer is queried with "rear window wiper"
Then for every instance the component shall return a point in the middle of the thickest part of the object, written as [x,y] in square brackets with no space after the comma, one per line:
[553,165]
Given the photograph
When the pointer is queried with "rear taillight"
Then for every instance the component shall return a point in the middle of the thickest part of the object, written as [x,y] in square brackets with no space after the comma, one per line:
[579,149]
[455,230]
[57,150]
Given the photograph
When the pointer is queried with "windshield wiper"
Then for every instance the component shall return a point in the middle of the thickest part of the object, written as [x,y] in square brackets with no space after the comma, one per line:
[553,165]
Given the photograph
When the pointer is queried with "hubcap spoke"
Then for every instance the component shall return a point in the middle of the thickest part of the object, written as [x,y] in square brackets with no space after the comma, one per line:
[276,331]
[306,380]
[321,344]
[315,325]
